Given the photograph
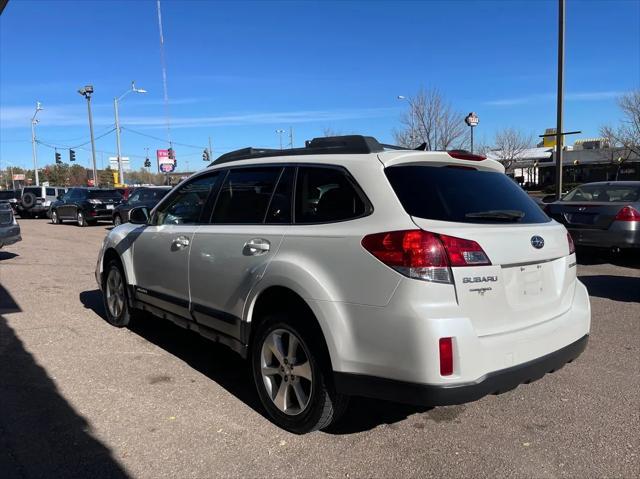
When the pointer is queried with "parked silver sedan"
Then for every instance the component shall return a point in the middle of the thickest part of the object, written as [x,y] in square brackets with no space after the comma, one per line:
[604,214]
[9,227]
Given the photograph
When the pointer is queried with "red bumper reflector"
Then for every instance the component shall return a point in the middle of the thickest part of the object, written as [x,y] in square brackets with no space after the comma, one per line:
[446,357]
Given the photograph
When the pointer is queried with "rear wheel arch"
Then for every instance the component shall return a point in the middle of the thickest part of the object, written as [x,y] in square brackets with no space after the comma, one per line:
[276,299]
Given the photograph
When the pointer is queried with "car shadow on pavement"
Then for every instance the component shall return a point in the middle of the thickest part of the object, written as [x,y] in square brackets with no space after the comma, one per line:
[7,255]
[230,371]
[41,435]
[616,288]
[594,256]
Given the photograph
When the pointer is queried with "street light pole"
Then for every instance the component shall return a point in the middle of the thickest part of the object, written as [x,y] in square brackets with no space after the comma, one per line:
[280,132]
[116,100]
[86,92]
[472,120]
[559,134]
[34,122]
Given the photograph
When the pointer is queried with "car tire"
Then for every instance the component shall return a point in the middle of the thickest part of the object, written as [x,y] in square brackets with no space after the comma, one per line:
[82,221]
[117,220]
[295,386]
[55,219]
[115,296]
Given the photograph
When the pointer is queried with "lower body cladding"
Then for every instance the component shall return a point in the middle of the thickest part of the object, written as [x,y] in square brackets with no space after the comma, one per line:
[621,234]
[395,355]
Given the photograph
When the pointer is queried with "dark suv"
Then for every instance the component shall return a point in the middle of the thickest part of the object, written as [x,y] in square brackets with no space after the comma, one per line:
[143,196]
[85,205]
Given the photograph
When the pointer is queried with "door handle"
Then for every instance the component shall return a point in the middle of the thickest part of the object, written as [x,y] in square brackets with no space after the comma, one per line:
[256,246]
[180,242]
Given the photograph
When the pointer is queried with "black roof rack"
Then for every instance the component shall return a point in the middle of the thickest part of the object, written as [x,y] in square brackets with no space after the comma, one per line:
[318,146]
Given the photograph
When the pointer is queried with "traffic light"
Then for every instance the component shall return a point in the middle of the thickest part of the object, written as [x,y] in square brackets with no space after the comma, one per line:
[58,158]
[147,163]
[171,153]
[72,155]
[205,155]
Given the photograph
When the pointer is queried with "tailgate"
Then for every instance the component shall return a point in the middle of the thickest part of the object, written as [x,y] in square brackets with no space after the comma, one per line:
[524,285]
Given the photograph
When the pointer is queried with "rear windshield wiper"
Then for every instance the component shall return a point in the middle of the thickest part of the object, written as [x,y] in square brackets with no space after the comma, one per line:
[505,215]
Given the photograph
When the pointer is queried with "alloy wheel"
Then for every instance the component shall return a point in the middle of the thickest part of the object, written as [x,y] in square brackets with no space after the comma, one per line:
[114,292]
[286,371]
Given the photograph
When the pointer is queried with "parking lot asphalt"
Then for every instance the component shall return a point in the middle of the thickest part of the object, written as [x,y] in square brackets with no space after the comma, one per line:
[79,397]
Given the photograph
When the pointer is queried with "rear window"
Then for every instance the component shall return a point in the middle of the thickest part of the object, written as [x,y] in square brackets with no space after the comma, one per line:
[7,195]
[6,215]
[36,191]
[462,195]
[604,193]
[103,194]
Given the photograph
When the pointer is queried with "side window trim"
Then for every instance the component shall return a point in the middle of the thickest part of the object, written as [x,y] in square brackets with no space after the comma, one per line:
[209,220]
[275,188]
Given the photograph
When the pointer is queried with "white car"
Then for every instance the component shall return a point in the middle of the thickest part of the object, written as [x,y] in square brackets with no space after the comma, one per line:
[349,268]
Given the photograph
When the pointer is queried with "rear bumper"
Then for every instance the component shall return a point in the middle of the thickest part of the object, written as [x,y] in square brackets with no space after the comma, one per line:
[620,236]
[9,235]
[441,395]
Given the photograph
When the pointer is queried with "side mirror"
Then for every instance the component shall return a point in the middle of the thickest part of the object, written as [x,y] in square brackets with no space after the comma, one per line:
[549,198]
[139,216]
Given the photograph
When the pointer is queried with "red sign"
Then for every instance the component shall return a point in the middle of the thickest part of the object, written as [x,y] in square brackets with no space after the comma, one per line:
[165,164]
[90,182]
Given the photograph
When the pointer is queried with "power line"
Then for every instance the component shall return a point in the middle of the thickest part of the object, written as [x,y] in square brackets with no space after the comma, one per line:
[162,139]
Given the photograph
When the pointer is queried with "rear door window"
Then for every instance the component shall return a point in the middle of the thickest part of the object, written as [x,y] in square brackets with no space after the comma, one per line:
[105,194]
[51,192]
[462,195]
[326,195]
[245,195]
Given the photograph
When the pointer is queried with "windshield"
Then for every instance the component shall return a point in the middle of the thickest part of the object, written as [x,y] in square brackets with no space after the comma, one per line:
[604,193]
[104,194]
[462,195]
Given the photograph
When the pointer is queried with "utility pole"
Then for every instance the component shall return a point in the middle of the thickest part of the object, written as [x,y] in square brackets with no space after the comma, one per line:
[210,150]
[561,8]
[118,151]
[86,92]
[34,122]
[291,137]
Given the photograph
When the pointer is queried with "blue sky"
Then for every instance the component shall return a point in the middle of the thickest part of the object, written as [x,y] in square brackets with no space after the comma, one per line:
[237,71]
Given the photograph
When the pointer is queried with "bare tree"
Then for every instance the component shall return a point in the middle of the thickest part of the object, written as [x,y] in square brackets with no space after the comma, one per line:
[509,145]
[627,134]
[431,120]
[328,131]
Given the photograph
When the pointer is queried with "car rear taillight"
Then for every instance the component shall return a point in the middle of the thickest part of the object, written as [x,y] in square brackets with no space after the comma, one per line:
[572,246]
[446,356]
[628,213]
[465,155]
[423,255]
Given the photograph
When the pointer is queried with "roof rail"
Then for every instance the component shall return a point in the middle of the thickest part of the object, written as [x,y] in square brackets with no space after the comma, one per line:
[330,145]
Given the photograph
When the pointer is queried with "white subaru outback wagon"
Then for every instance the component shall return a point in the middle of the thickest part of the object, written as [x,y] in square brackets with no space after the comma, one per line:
[348,267]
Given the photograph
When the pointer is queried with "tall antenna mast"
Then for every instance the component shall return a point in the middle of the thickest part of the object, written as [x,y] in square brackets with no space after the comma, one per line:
[164,76]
